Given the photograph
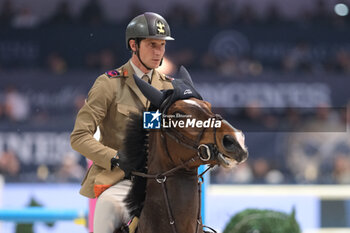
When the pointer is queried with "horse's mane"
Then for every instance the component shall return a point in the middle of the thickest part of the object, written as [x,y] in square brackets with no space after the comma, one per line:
[136,150]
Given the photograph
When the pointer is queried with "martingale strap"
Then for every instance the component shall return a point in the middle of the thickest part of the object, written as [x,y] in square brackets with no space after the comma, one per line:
[199,217]
[161,179]
[167,173]
[170,214]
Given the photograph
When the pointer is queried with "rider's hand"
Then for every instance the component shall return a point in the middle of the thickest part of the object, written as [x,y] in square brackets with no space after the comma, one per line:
[117,162]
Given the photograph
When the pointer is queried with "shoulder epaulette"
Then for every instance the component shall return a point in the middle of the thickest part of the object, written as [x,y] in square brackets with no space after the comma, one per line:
[116,73]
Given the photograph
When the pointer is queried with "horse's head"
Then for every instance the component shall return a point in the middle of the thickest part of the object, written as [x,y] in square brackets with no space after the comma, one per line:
[190,129]
[213,138]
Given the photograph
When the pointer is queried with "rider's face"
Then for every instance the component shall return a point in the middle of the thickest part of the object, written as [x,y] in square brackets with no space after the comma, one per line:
[152,52]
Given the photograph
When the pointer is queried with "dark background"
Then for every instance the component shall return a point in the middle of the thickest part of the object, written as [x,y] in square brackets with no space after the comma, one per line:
[277,70]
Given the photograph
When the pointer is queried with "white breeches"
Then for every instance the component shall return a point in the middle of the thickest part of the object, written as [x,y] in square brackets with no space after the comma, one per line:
[110,210]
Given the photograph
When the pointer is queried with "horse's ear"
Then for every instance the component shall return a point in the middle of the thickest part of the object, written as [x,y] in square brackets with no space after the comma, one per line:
[155,96]
[185,76]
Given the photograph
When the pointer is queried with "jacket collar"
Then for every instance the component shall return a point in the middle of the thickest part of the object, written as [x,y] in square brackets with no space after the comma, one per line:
[156,81]
[138,72]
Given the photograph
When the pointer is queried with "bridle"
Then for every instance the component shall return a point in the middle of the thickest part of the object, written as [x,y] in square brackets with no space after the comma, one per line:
[205,152]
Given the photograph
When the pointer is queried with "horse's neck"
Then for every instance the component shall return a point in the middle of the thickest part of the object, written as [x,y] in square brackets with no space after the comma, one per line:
[158,160]
[182,193]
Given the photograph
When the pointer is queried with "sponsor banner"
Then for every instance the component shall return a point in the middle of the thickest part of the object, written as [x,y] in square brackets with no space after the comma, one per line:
[267,95]
[39,157]
[38,148]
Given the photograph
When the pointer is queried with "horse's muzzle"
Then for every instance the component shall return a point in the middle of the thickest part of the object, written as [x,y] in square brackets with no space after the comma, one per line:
[229,143]
[234,148]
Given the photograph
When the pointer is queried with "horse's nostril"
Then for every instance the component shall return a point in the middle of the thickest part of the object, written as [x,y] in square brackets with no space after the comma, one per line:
[228,142]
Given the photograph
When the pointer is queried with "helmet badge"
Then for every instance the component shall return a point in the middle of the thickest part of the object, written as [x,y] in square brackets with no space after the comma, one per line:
[160,28]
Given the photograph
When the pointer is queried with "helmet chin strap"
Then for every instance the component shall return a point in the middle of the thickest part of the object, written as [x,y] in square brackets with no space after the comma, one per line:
[138,56]
[137,52]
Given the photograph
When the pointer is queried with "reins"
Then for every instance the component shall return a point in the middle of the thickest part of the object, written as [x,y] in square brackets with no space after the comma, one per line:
[162,177]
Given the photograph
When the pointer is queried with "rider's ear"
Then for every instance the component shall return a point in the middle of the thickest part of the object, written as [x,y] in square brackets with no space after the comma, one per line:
[132,44]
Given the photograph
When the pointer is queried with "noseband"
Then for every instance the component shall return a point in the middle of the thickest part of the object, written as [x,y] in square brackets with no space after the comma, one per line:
[204,151]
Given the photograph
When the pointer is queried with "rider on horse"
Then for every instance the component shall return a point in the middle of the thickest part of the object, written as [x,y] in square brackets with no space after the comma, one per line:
[111,100]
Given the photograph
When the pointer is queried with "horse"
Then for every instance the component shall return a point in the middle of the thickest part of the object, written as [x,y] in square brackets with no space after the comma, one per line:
[165,194]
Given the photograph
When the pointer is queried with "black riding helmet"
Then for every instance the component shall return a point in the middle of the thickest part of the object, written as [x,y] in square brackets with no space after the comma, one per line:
[147,25]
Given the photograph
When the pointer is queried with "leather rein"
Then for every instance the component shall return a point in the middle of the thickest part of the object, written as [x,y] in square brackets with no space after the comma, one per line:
[205,152]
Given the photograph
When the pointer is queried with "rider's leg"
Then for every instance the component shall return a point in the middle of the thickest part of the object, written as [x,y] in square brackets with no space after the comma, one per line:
[110,211]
